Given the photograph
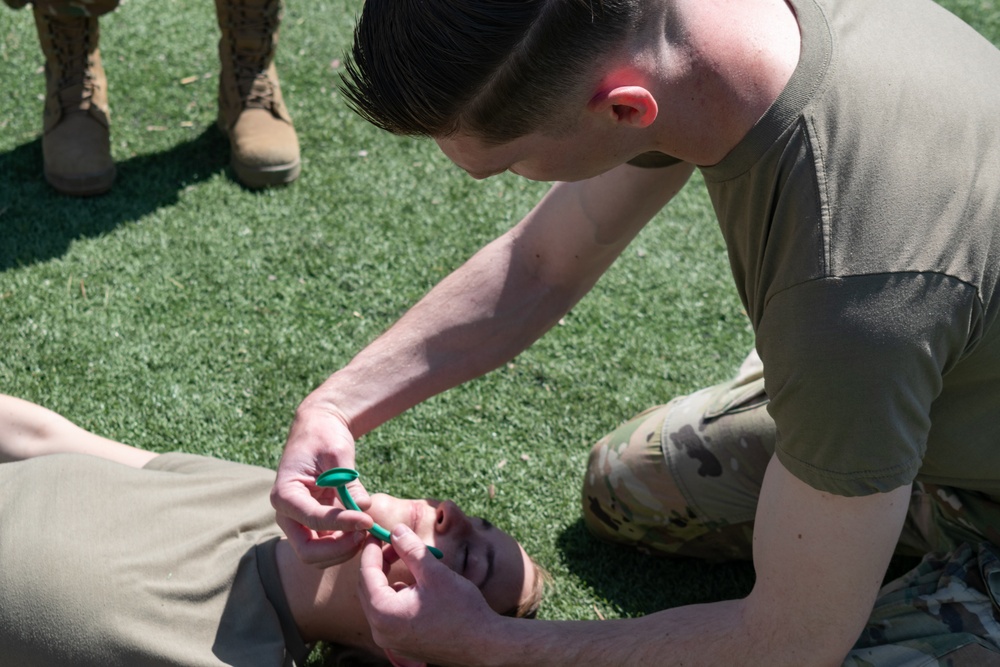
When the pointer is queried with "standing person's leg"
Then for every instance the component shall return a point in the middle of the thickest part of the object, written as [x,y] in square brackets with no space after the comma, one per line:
[76,144]
[683,479]
[252,112]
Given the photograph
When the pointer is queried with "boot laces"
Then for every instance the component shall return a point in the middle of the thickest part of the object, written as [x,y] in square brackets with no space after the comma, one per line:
[252,48]
[71,41]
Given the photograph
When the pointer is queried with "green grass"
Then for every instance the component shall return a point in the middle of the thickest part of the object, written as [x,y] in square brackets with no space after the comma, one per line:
[182,311]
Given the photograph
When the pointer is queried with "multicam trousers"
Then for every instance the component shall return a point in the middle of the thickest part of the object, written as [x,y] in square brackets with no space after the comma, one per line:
[68,7]
[682,479]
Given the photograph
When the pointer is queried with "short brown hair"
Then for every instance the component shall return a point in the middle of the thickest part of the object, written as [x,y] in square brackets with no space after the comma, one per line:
[528,607]
[496,69]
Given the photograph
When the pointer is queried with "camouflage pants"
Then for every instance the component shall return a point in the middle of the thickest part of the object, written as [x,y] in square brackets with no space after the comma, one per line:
[682,479]
[68,7]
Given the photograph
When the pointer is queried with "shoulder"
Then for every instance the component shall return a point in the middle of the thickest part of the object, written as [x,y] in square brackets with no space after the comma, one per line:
[180,462]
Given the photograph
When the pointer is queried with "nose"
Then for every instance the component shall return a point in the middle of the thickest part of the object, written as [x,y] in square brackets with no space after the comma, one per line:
[449,518]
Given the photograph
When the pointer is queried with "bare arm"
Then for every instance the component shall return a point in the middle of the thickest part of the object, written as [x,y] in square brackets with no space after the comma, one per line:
[819,560]
[28,430]
[486,312]
[504,298]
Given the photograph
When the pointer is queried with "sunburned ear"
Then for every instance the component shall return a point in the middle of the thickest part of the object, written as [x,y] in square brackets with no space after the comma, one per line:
[398,661]
[634,106]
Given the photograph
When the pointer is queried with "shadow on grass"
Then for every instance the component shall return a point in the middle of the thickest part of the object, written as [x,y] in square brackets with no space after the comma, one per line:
[38,224]
[637,584]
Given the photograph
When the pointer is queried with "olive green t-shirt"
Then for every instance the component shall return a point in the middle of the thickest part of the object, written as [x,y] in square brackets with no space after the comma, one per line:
[172,564]
[862,220]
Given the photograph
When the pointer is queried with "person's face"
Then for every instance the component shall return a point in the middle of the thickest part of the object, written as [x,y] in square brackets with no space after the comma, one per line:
[472,547]
[578,155]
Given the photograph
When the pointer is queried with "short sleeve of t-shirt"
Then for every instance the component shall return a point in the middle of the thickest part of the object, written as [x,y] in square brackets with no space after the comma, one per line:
[852,366]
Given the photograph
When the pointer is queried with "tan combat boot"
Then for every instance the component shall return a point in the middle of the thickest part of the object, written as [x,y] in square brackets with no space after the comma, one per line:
[75,144]
[265,148]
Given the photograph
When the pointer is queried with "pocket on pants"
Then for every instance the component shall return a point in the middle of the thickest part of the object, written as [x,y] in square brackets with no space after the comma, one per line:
[736,399]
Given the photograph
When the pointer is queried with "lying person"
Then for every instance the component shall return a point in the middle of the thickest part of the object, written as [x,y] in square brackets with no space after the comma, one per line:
[113,555]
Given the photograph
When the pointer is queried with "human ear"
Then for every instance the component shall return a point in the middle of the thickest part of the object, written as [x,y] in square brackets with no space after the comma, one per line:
[633,106]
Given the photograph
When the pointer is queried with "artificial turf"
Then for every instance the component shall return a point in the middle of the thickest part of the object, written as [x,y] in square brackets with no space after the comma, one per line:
[182,311]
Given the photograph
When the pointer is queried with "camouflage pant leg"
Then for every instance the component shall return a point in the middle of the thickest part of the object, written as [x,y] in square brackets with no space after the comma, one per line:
[941,518]
[943,612]
[68,7]
[683,479]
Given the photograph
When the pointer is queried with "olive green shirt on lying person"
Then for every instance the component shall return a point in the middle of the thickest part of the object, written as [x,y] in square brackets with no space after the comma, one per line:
[171,564]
